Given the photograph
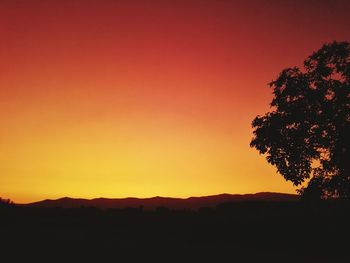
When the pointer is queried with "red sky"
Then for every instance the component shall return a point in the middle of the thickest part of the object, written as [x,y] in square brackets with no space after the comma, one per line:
[145,98]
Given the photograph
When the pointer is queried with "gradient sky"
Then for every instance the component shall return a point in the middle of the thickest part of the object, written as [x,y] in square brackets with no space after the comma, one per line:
[145,98]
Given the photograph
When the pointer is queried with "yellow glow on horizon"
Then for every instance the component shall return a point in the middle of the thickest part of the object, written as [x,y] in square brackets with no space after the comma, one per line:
[130,159]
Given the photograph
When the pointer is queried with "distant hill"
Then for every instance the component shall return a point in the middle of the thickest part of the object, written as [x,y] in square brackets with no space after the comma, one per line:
[171,203]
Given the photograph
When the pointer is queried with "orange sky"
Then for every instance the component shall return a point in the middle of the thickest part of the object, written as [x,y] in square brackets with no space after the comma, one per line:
[145,98]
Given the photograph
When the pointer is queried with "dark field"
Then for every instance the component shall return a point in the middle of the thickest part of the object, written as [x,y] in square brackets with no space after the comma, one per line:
[235,232]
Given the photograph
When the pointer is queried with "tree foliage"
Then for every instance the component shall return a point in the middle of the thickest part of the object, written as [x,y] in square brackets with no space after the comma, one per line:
[306,135]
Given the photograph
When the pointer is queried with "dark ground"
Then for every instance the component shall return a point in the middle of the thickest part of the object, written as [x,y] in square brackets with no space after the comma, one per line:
[236,232]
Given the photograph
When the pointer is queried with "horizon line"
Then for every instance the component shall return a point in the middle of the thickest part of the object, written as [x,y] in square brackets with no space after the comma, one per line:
[154,196]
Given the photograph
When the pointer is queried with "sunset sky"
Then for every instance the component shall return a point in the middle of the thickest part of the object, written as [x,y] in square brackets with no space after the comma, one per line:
[145,98]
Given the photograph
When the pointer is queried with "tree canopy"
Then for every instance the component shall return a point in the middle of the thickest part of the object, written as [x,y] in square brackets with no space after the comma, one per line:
[306,135]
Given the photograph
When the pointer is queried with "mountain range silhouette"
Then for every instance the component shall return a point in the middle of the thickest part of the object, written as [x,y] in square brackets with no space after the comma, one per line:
[167,202]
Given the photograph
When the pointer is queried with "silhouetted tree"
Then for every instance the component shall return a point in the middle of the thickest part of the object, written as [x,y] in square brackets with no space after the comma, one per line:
[5,202]
[306,135]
